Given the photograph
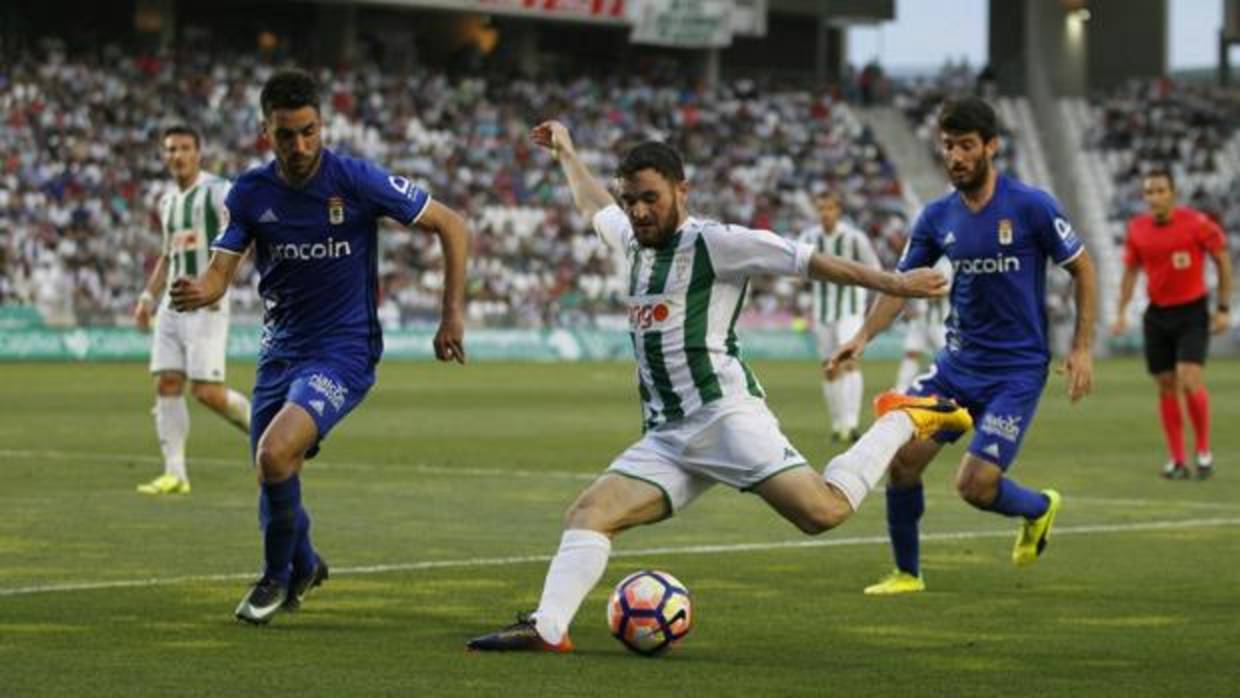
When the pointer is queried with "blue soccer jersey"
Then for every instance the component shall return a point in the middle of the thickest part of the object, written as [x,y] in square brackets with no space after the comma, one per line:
[999,256]
[316,251]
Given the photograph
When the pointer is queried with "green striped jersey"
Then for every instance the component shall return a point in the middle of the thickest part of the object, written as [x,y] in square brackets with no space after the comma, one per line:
[834,302]
[683,300]
[191,219]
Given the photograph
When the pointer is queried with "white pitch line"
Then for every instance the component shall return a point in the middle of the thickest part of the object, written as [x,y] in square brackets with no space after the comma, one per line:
[640,552]
[465,471]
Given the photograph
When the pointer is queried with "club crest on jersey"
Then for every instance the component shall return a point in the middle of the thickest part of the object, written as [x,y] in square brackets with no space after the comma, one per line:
[335,210]
[1005,231]
[1181,260]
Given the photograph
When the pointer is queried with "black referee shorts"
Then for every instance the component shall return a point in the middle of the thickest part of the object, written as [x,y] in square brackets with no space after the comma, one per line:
[1176,334]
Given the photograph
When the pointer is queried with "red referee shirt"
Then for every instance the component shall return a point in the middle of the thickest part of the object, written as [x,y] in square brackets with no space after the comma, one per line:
[1173,254]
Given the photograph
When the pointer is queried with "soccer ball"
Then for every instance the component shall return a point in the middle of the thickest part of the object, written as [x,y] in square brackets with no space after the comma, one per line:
[649,611]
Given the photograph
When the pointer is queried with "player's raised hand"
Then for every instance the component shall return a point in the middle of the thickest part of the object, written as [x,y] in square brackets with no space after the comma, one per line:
[553,136]
[450,339]
[848,351]
[1079,370]
[187,293]
[923,283]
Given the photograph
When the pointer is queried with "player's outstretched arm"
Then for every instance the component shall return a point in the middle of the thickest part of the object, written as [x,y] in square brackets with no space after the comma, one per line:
[589,194]
[147,301]
[917,283]
[884,312]
[454,239]
[1079,366]
[192,292]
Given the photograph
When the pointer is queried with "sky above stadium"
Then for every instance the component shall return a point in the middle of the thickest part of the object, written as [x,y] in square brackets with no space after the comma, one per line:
[927,33]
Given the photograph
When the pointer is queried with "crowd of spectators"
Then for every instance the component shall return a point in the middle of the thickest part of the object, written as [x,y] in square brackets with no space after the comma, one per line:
[1184,127]
[80,173]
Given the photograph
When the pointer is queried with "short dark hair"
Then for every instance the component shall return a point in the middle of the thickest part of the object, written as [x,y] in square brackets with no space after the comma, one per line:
[289,89]
[182,130]
[653,155]
[1160,171]
[969,114]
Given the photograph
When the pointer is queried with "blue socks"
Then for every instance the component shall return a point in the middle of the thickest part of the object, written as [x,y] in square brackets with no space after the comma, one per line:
[280,513]
[1017,500]
[304,556]
[904,510]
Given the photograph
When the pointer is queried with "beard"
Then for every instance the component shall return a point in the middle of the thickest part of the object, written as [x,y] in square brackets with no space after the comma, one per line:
[968,183]
[661,231]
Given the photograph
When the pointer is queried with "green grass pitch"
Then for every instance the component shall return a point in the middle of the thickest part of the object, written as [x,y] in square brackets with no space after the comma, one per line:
[438,501]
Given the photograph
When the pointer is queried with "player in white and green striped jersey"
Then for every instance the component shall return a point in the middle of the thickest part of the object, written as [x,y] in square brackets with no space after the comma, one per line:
[925,332]
[705,419]
[191,344]
[838,311]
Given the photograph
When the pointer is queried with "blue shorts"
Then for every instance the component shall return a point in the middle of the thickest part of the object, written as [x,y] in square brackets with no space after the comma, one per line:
[1002,405]
[326,390]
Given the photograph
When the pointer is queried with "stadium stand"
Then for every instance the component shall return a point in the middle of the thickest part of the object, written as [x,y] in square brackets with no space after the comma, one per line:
[81,172]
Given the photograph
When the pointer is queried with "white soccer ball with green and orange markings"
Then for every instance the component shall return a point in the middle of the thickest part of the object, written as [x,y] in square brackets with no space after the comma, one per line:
[649,611]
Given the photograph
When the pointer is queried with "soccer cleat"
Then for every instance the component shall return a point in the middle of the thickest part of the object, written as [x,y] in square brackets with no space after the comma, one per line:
[1205,465]
[301,587]
[1034,533]
[165,484]
[1175,471]
[898,582]
[261,602]
[930,414]
[521,636]
[854,435]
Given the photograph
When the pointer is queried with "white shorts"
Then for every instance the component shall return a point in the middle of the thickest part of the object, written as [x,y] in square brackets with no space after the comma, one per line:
[833,334]
[737,442]
[193,343]
[922,337]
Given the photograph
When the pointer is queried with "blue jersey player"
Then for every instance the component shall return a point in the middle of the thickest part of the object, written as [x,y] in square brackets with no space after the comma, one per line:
[311,216]
[999,235]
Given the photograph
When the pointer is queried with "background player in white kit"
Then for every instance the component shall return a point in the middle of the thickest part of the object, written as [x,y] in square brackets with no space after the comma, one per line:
[838,311]
[925,332]
[191,344]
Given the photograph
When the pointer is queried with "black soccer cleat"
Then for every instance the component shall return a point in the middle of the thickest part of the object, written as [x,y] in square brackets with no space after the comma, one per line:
[300,587]
[521,636]
[261,602]
[1175,471]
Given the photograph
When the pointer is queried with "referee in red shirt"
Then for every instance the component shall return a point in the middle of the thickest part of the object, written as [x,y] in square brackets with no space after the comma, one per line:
[1170,244]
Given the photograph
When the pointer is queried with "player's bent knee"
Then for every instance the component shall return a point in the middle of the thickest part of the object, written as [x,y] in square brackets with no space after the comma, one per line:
[276,461]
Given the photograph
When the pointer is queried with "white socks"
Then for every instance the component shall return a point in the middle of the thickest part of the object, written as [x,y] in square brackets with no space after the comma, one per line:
[858,470]
[831,396]
[843,397]
[852,388]
[238,411]
[575,569]
[906,374]
[172,428]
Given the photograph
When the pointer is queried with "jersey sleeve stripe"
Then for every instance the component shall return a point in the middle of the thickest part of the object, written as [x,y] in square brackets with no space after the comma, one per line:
[1072,259]
[425,205]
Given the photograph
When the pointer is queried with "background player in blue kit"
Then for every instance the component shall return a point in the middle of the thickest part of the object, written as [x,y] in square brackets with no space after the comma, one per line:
[998,234]
[312,218]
